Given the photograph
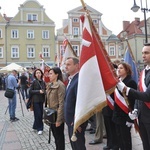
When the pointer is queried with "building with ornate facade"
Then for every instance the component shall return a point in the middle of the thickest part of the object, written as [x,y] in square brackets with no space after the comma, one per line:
[72,30]
[27,34]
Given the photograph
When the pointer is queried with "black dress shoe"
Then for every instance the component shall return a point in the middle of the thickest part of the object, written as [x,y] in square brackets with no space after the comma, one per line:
[94,142]
[89,129]
[14,119]
[107,148]
[92,132]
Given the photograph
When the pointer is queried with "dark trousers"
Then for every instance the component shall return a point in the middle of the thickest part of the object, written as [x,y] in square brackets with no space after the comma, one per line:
[124,137]
[79,144]
[38,116]
[24,92]
[145,134]
[110,132]
[58,133]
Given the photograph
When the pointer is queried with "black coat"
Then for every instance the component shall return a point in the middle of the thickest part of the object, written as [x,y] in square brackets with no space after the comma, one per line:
[34,91]
[143,110]
[119,116]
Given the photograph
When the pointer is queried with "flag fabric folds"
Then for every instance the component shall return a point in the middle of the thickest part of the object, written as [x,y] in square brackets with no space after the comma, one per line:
[68,52]
[91,96]
[42,62]
[128,59]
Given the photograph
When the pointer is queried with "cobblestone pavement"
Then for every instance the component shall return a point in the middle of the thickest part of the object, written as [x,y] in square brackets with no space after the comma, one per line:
[20,136]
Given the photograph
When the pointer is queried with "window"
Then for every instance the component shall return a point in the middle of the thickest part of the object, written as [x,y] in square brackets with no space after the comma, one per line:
[95,21]
[32,17]
[1,33]
[75,20]
[45,34]
[14,34]
[111,51]
[14,52]
[76,49]
[30,34]
[75,31]
[1,52]
[61,50]
[46,51]
[30,51]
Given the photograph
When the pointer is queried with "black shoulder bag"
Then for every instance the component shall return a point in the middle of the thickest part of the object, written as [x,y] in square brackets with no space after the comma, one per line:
[9,93]
[49,117]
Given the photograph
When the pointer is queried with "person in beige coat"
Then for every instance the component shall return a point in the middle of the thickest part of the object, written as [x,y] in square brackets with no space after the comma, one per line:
[55,99]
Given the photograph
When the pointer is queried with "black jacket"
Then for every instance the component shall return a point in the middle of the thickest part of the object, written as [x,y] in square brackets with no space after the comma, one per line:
[119,116]
[34,91]
[143,110]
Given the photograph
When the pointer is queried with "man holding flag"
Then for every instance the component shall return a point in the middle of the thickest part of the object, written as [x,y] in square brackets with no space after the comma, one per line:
[143,95]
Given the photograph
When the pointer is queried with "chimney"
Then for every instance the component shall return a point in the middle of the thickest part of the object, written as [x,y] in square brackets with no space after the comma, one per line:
[137,21]
[125,24]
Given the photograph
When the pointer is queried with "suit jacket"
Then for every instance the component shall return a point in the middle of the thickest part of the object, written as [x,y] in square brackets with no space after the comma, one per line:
[70,100]
[119,116]
[143,110]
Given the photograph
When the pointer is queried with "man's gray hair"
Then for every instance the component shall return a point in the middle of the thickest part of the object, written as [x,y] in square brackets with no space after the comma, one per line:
[75,59]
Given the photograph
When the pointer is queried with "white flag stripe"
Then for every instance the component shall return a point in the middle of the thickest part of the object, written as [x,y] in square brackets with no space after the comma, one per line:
[86,43]
[121,98]
[87,26]
[90,88]
[143,82]
[110,100]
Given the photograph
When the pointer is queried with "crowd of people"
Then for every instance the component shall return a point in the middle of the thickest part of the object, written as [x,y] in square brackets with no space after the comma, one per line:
[114,122]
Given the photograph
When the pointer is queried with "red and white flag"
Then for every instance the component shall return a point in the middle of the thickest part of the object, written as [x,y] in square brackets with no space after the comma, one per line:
[42,61]
[68,52]
[110,102]
[91,96]
[120,101]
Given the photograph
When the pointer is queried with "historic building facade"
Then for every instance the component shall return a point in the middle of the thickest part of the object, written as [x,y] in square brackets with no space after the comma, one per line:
[72,30]
[27,34]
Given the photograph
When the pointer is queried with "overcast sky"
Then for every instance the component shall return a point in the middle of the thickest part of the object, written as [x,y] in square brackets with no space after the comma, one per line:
[114,11]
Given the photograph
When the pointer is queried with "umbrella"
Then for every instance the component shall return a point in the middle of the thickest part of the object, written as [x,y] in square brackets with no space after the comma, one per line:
[12,66]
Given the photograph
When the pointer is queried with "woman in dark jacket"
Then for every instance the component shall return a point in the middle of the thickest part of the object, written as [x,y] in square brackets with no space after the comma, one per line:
[120,112]
[37,93]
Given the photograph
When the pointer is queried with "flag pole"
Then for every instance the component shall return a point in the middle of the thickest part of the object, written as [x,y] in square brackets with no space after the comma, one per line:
[130,50]
[72,50]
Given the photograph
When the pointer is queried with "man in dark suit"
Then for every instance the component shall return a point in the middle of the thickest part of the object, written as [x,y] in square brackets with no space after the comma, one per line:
[72,68]
[144,96]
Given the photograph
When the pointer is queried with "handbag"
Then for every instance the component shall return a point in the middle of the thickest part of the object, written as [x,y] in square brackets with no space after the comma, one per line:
[9,93]
[29,104]
[49,116]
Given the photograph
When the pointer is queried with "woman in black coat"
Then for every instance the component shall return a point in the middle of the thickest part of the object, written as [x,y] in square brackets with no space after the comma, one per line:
[120,112]
[37,93]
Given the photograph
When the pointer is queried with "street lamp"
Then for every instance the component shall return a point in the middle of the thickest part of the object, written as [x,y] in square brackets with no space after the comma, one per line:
[135,8]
